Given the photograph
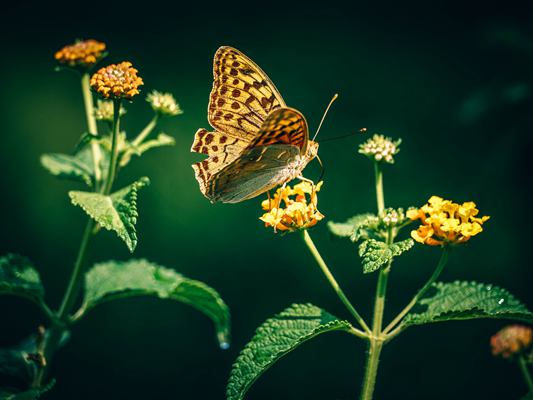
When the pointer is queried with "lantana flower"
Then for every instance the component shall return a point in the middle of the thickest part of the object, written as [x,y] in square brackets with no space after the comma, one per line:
[511,340]
[117,81]
[380,148]
[83,53]
[164,103]
[445,222]
[297,208]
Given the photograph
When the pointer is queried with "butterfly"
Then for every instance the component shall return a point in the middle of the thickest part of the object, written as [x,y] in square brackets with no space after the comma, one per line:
[258,142]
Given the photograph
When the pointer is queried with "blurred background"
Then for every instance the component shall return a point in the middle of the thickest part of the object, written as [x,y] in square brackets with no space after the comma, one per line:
[453,80]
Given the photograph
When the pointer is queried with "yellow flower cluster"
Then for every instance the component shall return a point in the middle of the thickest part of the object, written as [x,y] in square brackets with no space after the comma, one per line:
[445,222]
[85,53]
[511,340]
[117,81]
[163,103]
[292,209]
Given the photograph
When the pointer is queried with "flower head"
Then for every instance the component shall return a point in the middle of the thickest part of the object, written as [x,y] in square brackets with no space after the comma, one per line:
[104,110]
[445,222]
[83,53]
[164,103]
[117,81]
[511,340]
[292,209]
[380,148]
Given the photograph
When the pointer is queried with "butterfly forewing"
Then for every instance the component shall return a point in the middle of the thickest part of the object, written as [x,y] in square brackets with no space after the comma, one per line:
[242,94]
[284,125]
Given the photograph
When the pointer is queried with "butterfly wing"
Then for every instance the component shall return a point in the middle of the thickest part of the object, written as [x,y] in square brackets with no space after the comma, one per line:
[267,162]
[257,170]
[241,99]
[283,126]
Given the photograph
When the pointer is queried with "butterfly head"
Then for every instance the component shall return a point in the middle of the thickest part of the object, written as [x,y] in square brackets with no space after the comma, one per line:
[312,150]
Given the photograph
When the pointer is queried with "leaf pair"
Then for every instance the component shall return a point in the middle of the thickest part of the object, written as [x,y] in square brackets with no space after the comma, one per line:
[301,322]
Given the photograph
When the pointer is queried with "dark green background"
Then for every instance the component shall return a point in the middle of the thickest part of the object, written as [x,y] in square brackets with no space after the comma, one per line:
[452,80]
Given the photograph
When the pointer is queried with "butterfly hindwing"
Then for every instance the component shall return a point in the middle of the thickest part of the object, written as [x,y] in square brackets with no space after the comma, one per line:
[257,170]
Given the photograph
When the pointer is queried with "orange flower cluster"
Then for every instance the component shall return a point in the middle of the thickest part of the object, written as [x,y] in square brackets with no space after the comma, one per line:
[511,340]
[291,210]
[446,222]
[117,81]
[84,53]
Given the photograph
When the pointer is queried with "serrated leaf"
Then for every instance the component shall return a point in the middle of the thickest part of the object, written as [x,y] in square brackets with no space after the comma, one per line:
[375,253]
[19,277]
[68,167]
[117,212]
[466,300]
[161,140]
[347,229]
[31,394]
[113,279]
[275,338]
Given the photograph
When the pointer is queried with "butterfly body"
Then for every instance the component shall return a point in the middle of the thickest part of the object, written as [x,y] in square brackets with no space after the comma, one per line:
[258,142]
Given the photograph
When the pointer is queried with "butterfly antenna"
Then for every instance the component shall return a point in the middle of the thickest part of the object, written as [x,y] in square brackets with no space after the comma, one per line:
[325,113]
[360,131]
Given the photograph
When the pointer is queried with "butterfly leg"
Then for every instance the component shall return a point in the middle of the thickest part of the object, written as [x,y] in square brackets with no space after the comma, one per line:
[304,179]
[281,190]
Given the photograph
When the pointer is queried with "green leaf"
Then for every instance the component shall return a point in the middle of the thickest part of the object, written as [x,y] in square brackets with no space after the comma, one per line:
[375,254]
[117,212]
[68,167]
[112,280]
[348,228]
[276,338]
[19,277]
[31,394]
[466,300]
[161,140]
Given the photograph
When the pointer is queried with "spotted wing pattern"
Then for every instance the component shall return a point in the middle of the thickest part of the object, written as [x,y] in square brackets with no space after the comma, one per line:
[284,125]
[242,95]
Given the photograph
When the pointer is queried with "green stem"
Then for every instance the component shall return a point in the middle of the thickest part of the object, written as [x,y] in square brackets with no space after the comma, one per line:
[377,339]
[333,282]
[525,372]
[371,372]
[146,131]
[379,186]
[60,324]
[106,189]
[438,270]
[91,125]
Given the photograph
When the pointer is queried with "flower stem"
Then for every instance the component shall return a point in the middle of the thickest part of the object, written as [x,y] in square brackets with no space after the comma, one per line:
[377,339]
[333,282]
[91,125]
[61,323]
[146,131]
[379,186]
[525,372]
[114,148]
[440,266]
